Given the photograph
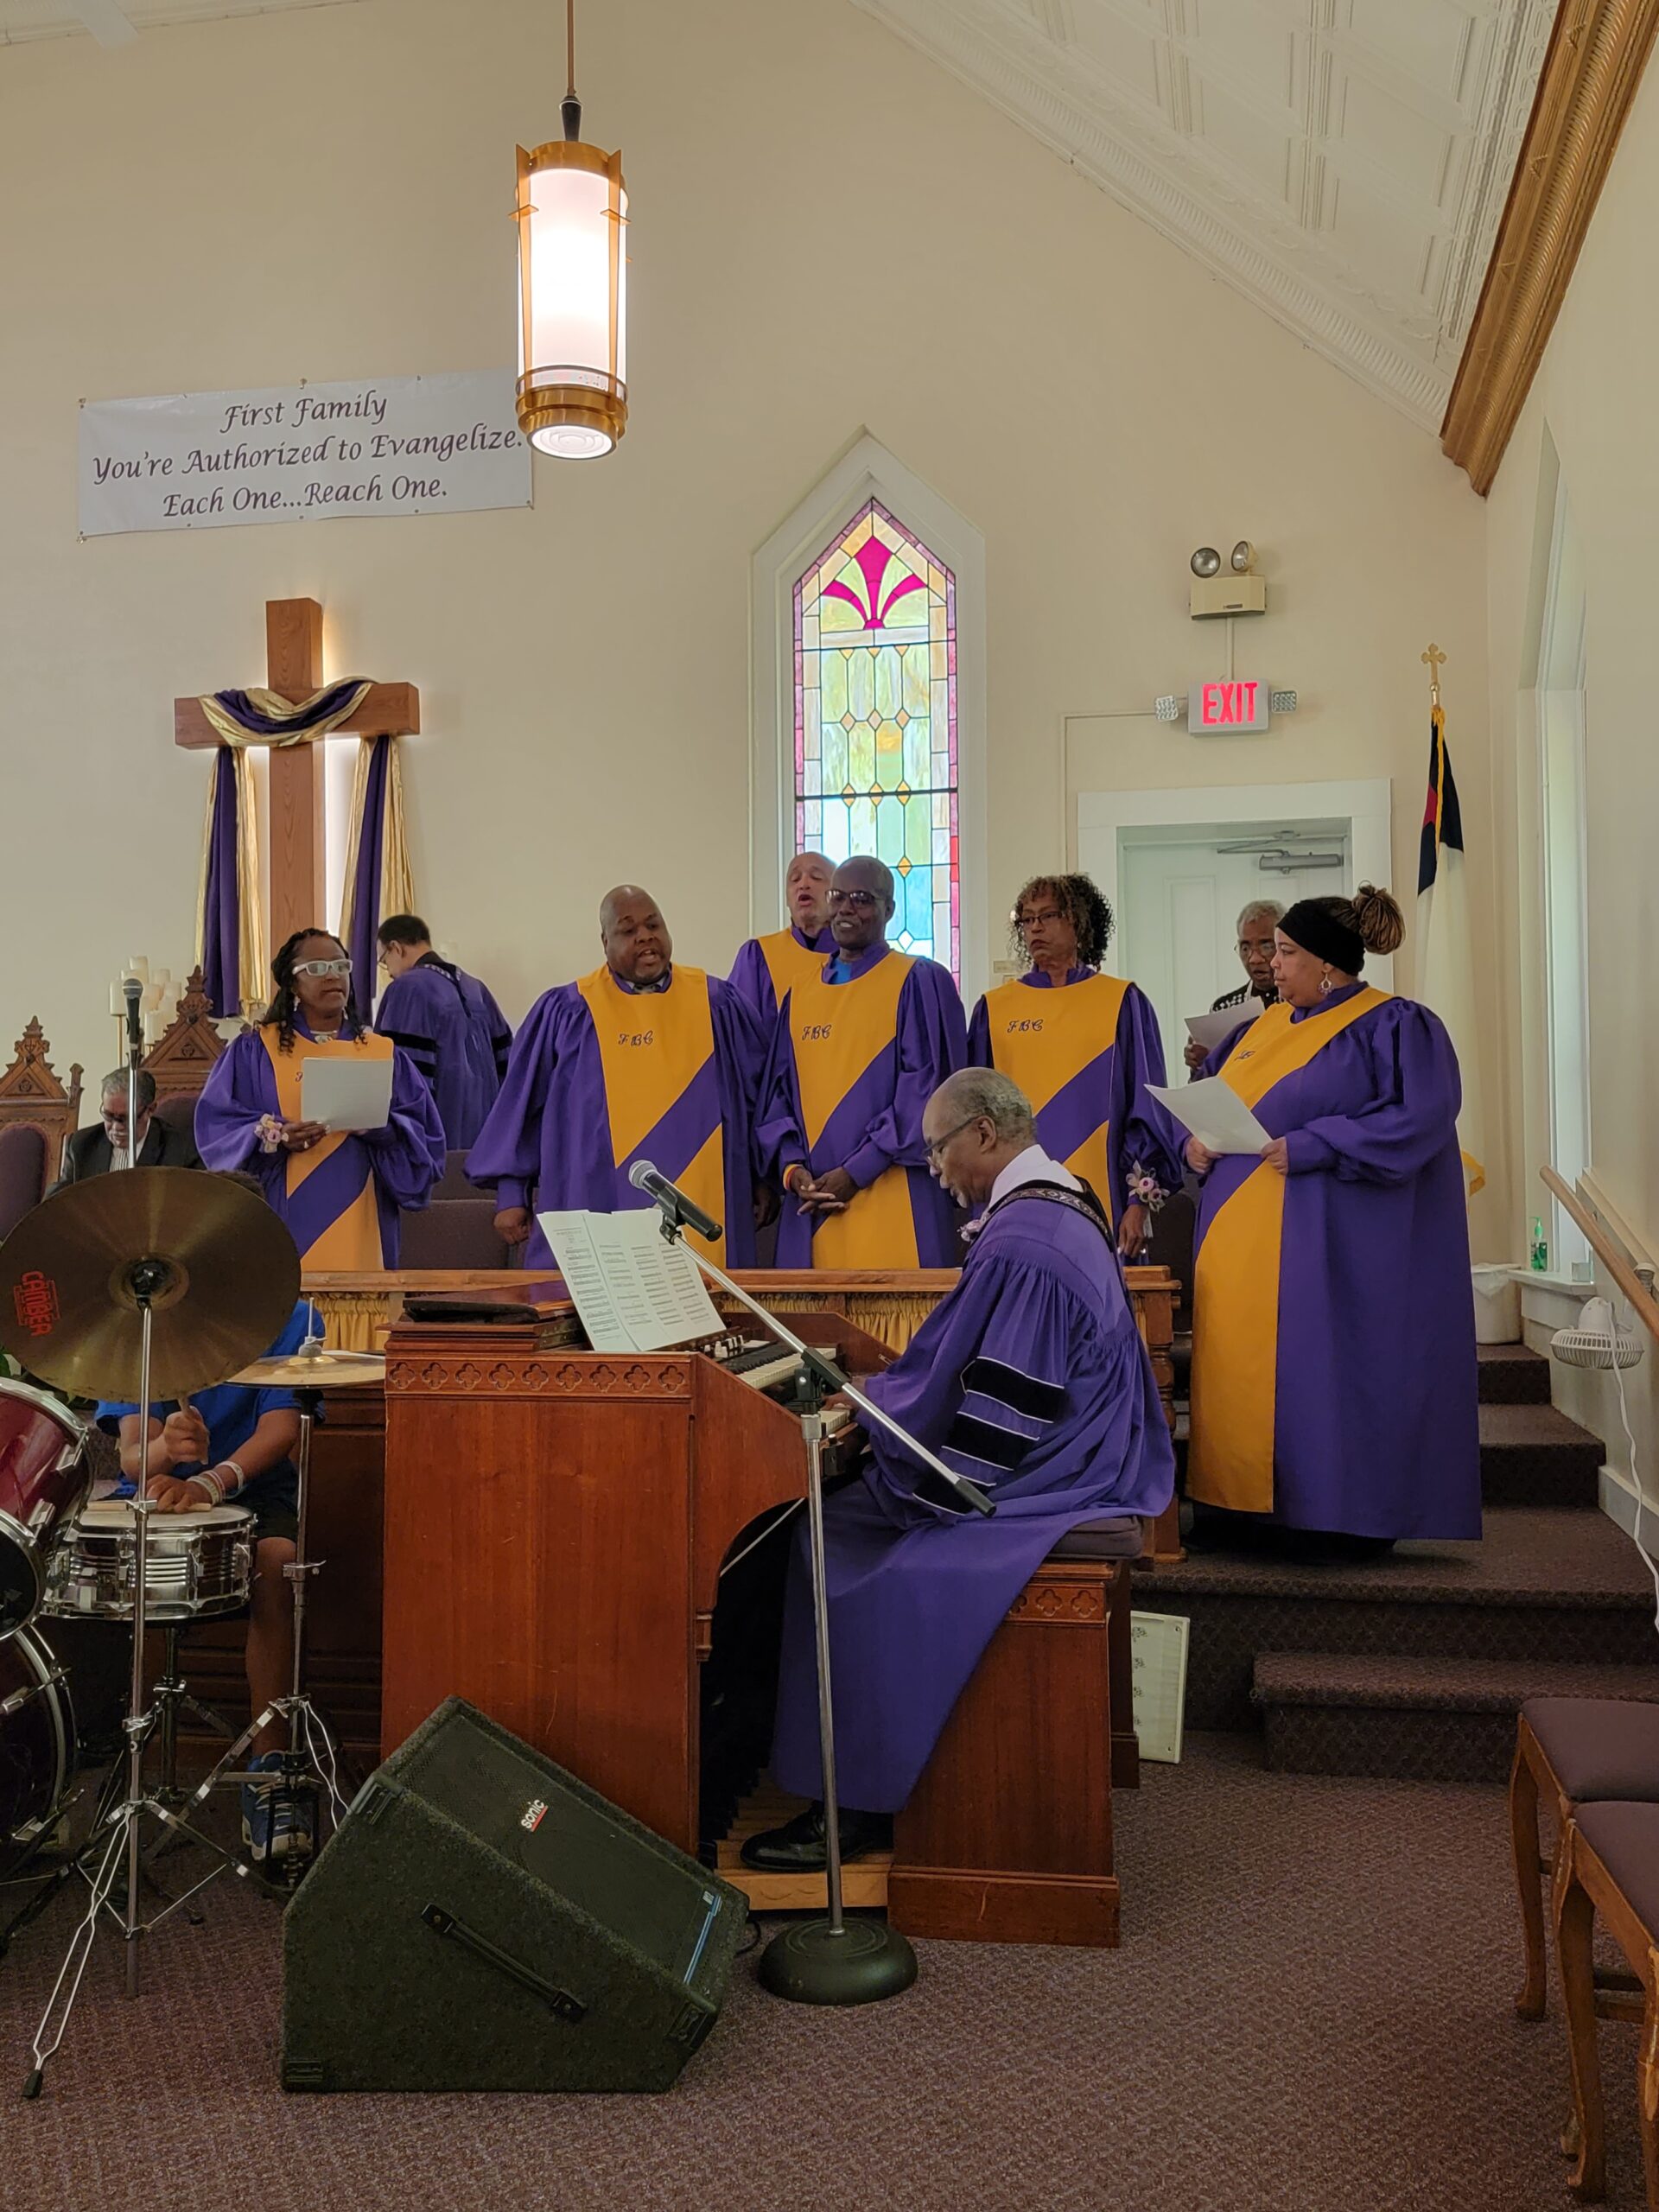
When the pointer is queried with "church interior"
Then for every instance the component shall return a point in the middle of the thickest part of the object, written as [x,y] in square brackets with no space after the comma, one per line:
[993,515]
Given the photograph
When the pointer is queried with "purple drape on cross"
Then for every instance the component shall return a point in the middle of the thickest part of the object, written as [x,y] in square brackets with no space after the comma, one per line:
[221,915]
[365,884]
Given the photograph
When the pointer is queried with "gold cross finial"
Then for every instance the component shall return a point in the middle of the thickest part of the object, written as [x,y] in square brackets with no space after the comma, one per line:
[1435,660]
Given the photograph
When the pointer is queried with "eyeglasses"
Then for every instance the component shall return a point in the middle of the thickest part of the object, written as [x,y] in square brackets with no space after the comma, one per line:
[322,968]
[864,898]
[1030,921]
[934,1146]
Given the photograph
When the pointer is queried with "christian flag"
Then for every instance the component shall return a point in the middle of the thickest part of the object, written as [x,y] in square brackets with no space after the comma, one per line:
[1445,960]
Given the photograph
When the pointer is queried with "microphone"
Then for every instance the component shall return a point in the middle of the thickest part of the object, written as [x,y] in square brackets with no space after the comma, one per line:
[133,991]
[682,1212]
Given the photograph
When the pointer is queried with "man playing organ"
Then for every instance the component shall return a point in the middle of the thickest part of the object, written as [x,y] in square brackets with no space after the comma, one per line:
[640,1060]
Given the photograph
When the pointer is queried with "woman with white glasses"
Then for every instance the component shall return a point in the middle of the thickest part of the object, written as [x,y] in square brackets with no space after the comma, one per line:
[339,1194]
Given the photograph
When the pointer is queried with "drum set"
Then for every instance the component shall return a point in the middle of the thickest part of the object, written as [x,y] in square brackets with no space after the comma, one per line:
[141,1287]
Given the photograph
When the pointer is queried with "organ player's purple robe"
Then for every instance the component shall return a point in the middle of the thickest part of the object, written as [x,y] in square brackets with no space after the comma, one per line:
[551,1141]
[1334,1375]
[1029,1379]
[862,1111]
[457,1036]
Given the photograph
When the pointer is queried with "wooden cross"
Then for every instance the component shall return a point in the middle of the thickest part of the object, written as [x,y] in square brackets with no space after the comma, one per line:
[294,671]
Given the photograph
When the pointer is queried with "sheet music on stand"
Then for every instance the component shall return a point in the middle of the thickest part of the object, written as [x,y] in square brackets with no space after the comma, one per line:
[633,1290]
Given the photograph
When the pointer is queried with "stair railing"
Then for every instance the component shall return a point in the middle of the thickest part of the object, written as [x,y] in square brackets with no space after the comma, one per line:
[1635,1291]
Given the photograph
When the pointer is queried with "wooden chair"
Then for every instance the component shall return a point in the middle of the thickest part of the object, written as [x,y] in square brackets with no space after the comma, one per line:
[182,1056]
[1608,1865]
[1570,1750]
[32,1098]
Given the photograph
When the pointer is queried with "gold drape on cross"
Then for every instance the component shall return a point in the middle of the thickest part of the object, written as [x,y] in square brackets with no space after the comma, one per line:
[252,976]
[397,883]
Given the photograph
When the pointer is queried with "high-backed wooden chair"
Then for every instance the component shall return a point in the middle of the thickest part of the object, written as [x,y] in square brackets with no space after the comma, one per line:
[36,1115]
[180,1058]
[1568,1752]
[1609,1868]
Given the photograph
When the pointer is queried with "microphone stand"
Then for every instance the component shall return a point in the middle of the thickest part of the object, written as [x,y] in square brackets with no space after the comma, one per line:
[832,1960]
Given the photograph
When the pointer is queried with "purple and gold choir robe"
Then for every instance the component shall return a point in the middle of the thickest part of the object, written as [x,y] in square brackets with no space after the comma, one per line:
[1084,1054]
[456,1035]
[767,966]
[1031,1380]
[853,1064]
[601,1076]
[341,1199]
[1334,1381]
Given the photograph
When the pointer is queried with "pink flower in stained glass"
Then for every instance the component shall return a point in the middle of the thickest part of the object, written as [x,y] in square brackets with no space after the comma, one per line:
[872,557]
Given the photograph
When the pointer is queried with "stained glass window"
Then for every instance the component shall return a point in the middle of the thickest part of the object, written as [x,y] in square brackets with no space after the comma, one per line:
[875,721]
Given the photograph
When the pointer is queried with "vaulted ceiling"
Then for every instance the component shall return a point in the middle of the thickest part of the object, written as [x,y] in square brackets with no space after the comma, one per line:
[112,22]
[1342,162]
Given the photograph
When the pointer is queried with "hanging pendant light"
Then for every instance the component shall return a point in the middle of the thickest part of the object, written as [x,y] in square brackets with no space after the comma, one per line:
[573,390]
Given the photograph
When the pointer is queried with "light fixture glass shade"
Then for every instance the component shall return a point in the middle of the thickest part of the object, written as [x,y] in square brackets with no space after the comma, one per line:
[573,323]
[1206,561]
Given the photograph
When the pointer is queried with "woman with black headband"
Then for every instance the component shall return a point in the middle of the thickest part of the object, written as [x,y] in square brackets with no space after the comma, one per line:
[1333,1367]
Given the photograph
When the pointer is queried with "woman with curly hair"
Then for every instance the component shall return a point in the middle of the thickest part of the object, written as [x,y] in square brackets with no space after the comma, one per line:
[1083,1045]
[1334,1336]
[340,1194]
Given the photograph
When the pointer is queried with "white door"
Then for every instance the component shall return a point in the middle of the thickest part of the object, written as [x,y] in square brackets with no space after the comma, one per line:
[1180,894]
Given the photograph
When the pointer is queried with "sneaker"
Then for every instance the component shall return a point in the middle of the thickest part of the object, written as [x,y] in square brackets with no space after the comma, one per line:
[278,1821]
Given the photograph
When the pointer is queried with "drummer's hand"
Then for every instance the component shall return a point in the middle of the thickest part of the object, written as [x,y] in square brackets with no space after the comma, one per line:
[172,1496]
[184,1437]
[300,1136]
[513,1224]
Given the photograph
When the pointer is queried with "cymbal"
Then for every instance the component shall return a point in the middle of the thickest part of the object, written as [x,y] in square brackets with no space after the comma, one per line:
[220,1269]
[313,1370]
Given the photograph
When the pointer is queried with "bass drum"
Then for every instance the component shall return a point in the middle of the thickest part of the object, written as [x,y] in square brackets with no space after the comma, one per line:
[37,1746]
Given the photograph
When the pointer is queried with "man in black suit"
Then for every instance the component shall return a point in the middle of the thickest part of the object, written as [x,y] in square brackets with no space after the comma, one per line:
[96,1149]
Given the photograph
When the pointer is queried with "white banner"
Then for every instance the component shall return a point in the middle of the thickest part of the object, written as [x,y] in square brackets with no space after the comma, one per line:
[299,452]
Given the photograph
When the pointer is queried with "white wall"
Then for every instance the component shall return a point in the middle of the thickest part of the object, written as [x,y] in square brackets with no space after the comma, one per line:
[828,234]
[1590,415]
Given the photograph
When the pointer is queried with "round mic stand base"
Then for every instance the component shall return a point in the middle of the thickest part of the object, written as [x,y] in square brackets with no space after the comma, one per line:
[859,1962]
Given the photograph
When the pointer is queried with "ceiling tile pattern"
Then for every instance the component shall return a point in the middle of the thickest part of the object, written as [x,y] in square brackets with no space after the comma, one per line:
[1342,162]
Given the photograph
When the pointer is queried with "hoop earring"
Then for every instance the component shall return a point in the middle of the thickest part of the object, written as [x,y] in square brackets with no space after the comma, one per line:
[1325,984]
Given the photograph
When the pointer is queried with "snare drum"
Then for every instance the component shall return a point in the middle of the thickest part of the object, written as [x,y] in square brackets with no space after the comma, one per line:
[37,1746]
[196,1564]
[44,1472]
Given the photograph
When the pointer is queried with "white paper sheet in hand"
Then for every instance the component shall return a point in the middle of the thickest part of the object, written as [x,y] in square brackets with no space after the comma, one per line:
[1215,1114]
[1212,1029]
[342,1094]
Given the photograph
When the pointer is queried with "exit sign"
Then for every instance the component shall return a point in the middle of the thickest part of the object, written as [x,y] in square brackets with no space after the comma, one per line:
[1227,708]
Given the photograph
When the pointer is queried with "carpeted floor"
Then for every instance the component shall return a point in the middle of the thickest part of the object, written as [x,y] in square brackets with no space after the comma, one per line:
[1311,2013]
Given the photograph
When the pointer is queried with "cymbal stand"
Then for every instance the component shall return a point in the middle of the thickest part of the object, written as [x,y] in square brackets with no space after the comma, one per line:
[310,1764]
[145,1280]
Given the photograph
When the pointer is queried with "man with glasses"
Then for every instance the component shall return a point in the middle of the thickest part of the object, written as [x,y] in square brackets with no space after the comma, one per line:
[643,1059]
[860,1047]
[1256,949]
[1031,1380]
[447,1023]
[96,1151]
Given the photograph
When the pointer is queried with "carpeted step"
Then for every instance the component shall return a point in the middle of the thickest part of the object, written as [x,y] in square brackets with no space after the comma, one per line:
[1532,1455]
[1550,1586]
[1414,1719]
[1512,1375]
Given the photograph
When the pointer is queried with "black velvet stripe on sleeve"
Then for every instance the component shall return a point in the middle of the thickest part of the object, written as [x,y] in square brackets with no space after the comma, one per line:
[983,1439]
[421,1050]
[1020,1394]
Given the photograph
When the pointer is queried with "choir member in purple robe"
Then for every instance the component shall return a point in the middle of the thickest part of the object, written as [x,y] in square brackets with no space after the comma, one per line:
[447,1023]
[1083,1045]
[339,1194]
[767,966]
[1031,1380]
[859,1047]
[1256,945]
[642,1060]
[1334,1381]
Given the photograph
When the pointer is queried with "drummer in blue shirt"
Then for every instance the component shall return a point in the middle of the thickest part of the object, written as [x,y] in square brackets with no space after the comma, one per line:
[233,1446]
